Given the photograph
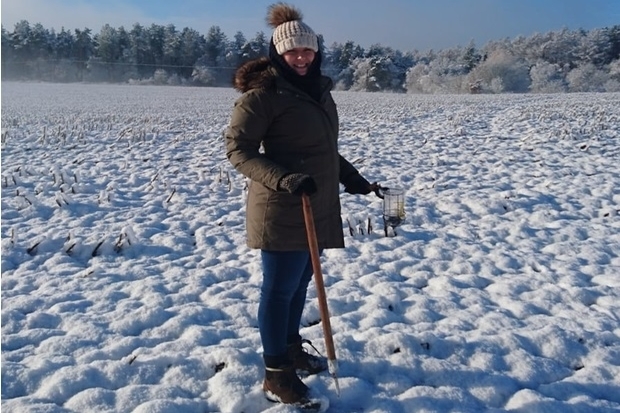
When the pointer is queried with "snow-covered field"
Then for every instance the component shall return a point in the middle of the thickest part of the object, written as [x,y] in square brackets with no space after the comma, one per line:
[127,285]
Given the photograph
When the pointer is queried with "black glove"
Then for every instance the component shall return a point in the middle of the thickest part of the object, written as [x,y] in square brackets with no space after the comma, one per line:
[297,184]
[357,185]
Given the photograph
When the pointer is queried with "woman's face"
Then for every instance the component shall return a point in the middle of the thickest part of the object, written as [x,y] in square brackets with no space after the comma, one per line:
[299,59]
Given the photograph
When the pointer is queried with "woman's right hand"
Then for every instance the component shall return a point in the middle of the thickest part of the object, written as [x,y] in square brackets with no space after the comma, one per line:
[298,184]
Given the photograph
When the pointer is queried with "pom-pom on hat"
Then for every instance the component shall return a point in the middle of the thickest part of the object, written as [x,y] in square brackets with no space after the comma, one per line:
[290,32]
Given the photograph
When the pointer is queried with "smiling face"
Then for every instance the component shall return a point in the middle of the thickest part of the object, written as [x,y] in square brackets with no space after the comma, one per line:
[299,59]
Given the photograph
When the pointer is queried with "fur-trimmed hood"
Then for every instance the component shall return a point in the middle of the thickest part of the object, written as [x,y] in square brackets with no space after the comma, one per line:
[254,74]
[260,73]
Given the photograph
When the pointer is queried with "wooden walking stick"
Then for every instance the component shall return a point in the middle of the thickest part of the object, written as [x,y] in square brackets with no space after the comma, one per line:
[332,363]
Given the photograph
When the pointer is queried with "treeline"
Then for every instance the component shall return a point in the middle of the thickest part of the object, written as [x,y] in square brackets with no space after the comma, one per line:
[553,62]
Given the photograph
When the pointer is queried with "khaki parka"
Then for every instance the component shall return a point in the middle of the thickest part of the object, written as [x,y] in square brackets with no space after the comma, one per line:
[276,129]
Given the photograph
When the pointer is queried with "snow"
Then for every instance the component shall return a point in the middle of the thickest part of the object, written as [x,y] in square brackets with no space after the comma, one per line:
[127,285]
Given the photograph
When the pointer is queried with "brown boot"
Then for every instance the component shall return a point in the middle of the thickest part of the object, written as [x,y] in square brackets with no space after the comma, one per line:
[304,362]
[282,385]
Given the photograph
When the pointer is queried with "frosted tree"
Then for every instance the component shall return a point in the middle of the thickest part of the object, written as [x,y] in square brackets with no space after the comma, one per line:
[63,44]
[126,68]
[64,68]
[338,63]
[362,77]
[107,44]
[614,39]
[587,78]
[102,67]
[41,41]
[203,76]
[140,51]
[160,77]
[501,72]
[259,45]
[400,64]
[192,45]
[112,59]
[374,74]
[420,79]
[548,78]
[40,49]
[613,84]
[595,47]
[382,69]
[529,48]
[253,48]
[22,49]
[443,72]
[156,38]
[7,52]
[389,74]
[614,70]
[214,57]
[237,49]
[469,57]
[563,47]
[171,48]
[84,49]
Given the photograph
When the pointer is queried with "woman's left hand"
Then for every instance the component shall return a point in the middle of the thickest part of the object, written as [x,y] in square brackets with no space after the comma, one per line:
[378,189]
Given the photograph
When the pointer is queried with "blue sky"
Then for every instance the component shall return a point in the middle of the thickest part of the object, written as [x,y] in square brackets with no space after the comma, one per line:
[401,24]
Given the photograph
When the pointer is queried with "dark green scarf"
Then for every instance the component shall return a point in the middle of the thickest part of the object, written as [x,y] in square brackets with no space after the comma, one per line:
[310,83]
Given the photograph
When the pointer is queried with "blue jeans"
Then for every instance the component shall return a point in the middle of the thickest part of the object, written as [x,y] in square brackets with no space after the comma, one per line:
[286,275]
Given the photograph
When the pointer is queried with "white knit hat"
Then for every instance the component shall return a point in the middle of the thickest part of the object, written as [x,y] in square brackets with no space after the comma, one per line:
[290,32]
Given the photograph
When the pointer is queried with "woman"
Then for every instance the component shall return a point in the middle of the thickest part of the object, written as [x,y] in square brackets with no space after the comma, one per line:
[283,136]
